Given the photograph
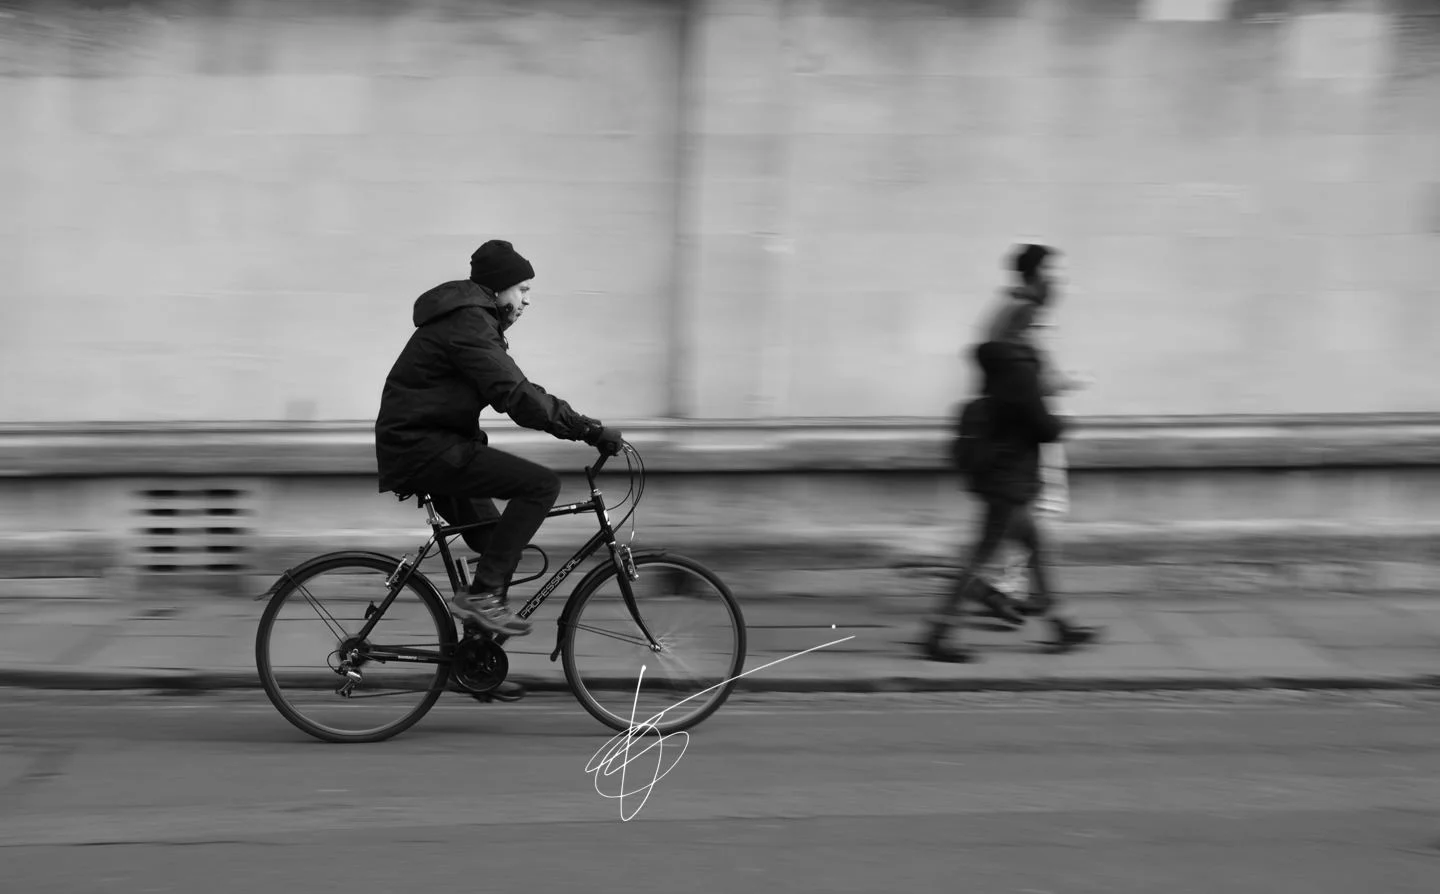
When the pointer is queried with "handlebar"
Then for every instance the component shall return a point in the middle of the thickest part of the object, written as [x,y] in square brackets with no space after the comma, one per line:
[592,471]
[637,480]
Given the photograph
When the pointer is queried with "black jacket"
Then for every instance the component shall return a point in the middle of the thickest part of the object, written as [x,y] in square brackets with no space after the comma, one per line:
[454,365]
[1020,421]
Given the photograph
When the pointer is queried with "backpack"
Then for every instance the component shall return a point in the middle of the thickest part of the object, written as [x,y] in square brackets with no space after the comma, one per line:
[971,449]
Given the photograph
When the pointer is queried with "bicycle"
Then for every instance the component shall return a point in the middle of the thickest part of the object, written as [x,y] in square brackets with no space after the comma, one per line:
[474,661]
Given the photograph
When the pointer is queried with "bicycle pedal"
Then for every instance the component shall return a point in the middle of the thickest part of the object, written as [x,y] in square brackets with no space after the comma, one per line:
[480,633]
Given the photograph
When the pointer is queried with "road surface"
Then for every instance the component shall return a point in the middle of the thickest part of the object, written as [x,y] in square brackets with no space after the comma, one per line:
[1004,792]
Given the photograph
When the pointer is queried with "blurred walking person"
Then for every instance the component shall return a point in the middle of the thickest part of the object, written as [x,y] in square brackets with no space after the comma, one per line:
[1009,423]
[1032,267]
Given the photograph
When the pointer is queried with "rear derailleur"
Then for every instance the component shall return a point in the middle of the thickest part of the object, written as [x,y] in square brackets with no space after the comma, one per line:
[352,656]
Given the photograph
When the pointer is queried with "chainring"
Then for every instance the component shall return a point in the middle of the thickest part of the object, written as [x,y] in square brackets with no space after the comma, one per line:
[479,665]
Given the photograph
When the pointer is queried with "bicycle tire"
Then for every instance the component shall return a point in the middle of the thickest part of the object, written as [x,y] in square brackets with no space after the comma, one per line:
[422,587]
[590,586]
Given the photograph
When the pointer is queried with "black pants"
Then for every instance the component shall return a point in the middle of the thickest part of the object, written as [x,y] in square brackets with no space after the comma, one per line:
[1002,520]
[462,482]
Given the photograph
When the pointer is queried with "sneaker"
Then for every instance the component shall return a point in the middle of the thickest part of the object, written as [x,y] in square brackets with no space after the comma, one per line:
[487,610]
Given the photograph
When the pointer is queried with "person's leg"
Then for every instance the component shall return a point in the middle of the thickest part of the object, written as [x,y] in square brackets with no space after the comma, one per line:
[482,511]
[993,590]
[471,511]
[993,526]
[1067,634]
[1052,502]
[477,471]
[1013,579]
[530,490]
[1027,534]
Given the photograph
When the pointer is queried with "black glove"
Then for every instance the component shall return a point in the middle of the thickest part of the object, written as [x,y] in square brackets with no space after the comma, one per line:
[607,440]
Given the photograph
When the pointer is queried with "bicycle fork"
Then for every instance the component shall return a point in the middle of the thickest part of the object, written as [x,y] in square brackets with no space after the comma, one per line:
[626,574]
[625,571]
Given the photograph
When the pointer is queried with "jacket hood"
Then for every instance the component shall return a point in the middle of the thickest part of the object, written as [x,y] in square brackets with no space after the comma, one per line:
[451,296]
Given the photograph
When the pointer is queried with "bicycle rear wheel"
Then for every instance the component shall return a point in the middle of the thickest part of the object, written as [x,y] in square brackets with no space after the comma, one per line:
[698,624]
[313,621]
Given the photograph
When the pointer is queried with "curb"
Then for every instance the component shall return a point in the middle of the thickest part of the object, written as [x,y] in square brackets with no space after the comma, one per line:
[70,678]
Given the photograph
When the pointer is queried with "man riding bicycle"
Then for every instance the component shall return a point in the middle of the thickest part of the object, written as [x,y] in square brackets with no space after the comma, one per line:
[428,437]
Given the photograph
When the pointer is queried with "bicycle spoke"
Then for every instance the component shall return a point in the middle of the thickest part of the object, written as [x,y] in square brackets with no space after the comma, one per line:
[633,640]
[400,677]
[700,638]
[355,695]
[328,618]
[672,657]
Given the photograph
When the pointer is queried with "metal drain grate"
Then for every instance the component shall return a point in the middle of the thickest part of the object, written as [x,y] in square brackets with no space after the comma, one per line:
[198,530]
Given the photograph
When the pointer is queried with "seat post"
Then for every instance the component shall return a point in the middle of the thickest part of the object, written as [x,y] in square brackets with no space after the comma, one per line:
[428,504]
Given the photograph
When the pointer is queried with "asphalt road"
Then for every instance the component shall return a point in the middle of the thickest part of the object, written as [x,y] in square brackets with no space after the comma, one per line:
[1221,792]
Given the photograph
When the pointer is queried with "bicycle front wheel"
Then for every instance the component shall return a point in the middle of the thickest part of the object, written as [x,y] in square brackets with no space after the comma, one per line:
[611,667]
[311,628]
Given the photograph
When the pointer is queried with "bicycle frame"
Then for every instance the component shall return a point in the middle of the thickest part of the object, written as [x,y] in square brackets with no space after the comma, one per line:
[619,555]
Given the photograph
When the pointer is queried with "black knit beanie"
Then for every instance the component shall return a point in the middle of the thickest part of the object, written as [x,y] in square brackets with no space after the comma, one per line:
[497,266]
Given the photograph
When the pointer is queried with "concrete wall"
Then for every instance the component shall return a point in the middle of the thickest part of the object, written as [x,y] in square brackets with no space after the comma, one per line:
[1250,205]
[224,211]
[738,208]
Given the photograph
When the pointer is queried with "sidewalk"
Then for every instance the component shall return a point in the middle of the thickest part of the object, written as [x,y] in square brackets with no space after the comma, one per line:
[1249,641]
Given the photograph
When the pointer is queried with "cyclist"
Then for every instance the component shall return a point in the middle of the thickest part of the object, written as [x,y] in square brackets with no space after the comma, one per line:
[428,437]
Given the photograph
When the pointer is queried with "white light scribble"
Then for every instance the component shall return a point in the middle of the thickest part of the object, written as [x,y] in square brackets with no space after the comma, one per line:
[603,762]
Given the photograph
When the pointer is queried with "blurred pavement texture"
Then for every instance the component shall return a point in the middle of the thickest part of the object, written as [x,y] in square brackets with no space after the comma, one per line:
[1217,642]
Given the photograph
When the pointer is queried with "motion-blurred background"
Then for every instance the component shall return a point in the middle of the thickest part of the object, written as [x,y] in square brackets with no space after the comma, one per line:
[764,231]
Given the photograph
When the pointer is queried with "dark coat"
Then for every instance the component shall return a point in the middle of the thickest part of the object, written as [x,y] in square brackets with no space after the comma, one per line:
[455,364]
[1020,421]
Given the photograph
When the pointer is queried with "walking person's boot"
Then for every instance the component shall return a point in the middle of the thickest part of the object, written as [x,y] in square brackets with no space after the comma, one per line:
[1066,635]
[997,604]
[933,646]
[993,602]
